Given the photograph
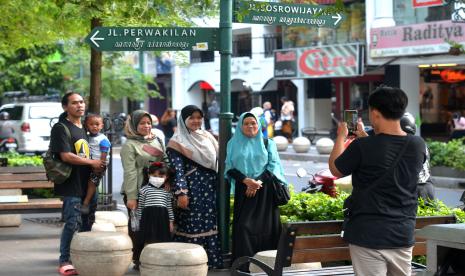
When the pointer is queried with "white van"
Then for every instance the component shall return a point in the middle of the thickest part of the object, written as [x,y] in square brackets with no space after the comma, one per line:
[29,124]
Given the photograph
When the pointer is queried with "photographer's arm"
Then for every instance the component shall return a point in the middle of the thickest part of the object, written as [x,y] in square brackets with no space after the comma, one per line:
[338,149]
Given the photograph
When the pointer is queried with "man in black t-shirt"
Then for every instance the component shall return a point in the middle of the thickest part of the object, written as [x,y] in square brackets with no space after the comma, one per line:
[381,224]
[74,151]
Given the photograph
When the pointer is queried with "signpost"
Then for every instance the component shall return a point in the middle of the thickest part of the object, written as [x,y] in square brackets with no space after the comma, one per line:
[255,12]
[153,39]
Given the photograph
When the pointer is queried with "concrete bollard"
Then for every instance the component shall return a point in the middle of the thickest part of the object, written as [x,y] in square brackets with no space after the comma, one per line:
[117,218]
[269,256]
[101,253]
[103,226]
[10,220]
[324,145]
[301,144]
[281,143]
[173,259]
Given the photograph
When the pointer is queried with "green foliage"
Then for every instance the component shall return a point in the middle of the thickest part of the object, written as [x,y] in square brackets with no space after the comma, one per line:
[319,206]
[119,78]
[450,154]
[17,160]
[29,69]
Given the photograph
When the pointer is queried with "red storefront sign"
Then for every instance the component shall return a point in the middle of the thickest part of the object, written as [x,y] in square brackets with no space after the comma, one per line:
[344,60]
[426,3]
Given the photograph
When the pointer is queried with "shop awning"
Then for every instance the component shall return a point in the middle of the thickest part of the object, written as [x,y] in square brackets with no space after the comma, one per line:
[206,86]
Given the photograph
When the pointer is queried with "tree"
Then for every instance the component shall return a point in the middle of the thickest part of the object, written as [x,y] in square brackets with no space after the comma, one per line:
[36,22]
[30,70]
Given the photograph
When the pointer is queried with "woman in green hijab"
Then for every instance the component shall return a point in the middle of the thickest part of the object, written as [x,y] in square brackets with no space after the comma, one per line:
[250,167]
[141,148]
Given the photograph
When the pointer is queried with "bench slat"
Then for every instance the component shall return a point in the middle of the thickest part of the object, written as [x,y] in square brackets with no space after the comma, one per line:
[316,255]
[23,177]
[40,205]
[424,221]
[26,185]
[28,169]
[313,242]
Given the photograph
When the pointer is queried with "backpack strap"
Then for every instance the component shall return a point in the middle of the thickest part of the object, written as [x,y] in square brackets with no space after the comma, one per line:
[67,132]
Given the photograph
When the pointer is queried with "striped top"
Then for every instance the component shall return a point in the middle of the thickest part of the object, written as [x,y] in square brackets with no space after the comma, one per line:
[150,195]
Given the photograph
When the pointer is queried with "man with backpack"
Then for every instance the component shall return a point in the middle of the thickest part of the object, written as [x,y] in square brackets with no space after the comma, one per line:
[68,142]
[380,214]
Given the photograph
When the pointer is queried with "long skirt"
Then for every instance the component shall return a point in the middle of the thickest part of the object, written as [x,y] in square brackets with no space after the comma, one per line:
[256,222]
[154,225]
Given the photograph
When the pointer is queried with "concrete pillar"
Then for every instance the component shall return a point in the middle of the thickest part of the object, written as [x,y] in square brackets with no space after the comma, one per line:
[410,83]
[301,104]
[383,14]
[10,220]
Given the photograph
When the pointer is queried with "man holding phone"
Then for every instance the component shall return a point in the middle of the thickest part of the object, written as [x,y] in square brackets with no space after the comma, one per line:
[380,220]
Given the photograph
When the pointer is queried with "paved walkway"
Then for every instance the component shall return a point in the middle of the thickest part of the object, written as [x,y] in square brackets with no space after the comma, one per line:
[32,249]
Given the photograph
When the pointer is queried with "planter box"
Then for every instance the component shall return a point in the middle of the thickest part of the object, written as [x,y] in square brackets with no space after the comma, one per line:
[443,171]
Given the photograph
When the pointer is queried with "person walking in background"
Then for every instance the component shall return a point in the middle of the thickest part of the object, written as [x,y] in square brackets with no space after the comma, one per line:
[155,210]
[68,140]
[287,118]
[99,150]
[193,153]
[156,131]
[258,112]
[251,166]
[140,150]
[380,213]
[270,117]
[168,123]
[213,113]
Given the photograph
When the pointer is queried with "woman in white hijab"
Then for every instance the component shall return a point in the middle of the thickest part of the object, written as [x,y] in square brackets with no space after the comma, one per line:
[193,154]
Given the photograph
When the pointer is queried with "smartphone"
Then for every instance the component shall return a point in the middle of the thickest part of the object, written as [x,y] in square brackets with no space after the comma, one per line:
[351,117]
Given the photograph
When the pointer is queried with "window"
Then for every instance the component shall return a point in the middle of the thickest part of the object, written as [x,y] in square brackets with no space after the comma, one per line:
[202,56]
[272,42]
[15,112]
[405,14]
[242,45]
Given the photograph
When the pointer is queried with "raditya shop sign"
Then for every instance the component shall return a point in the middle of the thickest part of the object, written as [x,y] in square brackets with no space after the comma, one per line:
[418,39]
[343,60]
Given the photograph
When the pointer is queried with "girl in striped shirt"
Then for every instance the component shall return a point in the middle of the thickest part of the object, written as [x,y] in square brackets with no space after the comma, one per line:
[155,211]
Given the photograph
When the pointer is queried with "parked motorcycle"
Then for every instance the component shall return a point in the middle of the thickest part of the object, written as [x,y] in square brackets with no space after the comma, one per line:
[322,181]
[8,144]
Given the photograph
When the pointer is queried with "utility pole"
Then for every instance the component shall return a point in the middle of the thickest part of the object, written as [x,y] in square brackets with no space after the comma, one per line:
[225,119]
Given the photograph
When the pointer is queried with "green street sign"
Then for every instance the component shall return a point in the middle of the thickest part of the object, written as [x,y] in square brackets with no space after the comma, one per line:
[153,39]
[255,12]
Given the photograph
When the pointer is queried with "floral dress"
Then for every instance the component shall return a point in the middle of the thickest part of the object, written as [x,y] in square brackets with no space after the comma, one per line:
[197,224]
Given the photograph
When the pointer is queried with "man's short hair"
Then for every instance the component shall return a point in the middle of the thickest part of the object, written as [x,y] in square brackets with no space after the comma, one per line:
[391,102]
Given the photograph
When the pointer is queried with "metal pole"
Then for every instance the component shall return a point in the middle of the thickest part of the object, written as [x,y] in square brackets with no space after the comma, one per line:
[225,119]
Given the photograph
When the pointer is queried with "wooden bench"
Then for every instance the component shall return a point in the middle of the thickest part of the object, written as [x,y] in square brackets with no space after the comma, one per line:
[320,241]
[27,178]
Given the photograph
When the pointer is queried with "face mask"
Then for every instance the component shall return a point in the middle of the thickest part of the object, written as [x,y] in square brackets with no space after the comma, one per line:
[156,181]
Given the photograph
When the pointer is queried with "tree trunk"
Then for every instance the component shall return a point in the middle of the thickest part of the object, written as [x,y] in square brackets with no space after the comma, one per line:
[95,73]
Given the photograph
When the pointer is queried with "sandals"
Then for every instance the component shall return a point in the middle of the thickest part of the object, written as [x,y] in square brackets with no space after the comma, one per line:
[67,269]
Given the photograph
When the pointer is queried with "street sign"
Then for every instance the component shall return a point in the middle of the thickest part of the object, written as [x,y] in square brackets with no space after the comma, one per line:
[153,39]
[255,12]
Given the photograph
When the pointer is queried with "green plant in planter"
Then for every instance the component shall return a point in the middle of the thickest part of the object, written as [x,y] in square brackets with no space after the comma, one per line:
[18,160]
[455,48]
[450,154]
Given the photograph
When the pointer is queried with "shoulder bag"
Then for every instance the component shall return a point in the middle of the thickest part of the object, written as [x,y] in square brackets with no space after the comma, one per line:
[281,193]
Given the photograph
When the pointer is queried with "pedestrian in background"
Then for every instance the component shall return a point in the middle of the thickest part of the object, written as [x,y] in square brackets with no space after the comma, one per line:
[140,150]
[270,117]
[193,153]
[287,118]
[380,213]
[250,168]
[68,140]
[168,123]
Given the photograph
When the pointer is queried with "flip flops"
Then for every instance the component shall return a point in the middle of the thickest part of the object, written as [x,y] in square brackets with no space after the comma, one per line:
[67,269]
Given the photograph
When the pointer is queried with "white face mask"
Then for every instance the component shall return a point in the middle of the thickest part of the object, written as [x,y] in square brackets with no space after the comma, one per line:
[156,181]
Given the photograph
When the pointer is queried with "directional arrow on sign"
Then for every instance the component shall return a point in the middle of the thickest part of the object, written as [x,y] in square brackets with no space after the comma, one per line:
[271,13]
[338,18]
[94,38]
[153,39]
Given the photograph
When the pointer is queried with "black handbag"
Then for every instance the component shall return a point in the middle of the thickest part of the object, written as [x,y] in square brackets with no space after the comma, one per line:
[281,194]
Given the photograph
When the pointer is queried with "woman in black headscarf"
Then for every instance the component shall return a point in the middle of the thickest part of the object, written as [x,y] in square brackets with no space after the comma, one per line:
[193,154]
